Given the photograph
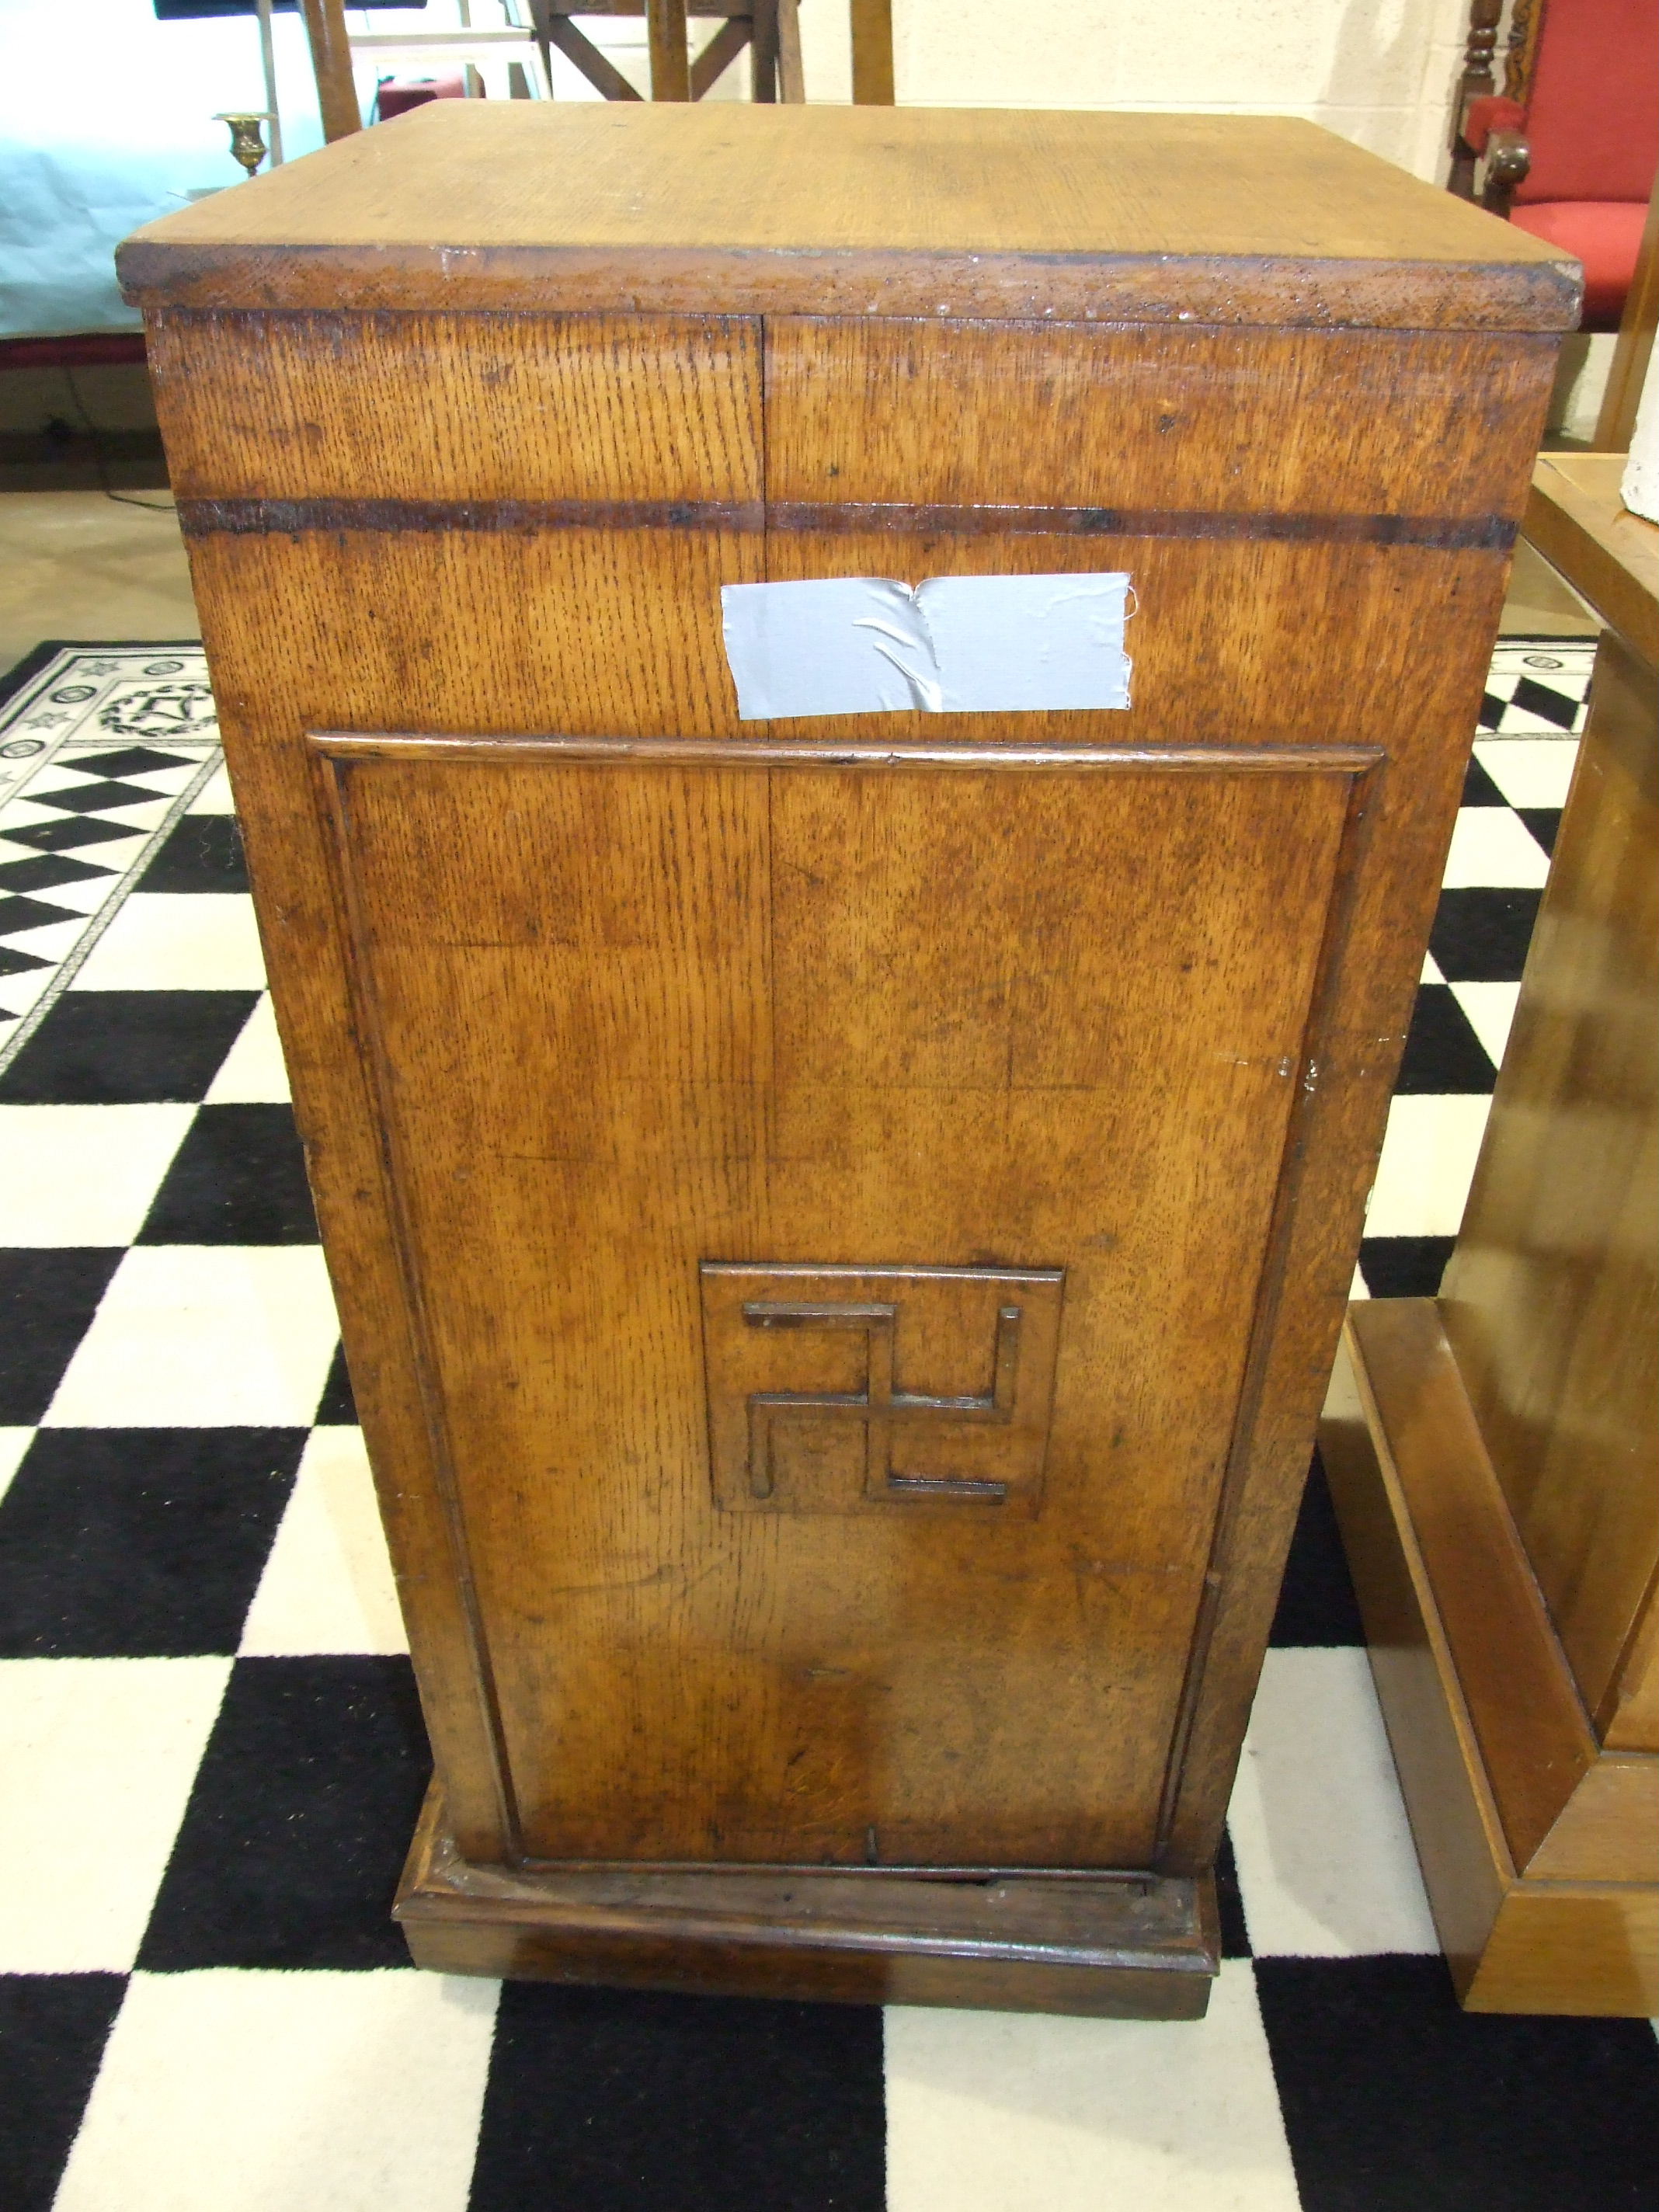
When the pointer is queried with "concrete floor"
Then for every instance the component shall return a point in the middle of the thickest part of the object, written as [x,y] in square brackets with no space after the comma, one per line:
[77,564]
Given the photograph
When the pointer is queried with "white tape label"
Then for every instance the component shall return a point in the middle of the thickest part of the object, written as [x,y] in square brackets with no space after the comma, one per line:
[956,645]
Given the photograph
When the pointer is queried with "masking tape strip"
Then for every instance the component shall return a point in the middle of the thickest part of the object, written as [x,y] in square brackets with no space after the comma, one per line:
[866,645]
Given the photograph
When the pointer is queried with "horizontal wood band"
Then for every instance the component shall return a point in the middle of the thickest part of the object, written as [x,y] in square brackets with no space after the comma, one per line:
[345,746]
[204,517]
[285,518]
[1484,531]
[1235,291]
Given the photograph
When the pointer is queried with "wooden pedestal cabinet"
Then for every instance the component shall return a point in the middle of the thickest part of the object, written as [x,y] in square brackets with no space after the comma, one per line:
[841,1224]
[1494,1453]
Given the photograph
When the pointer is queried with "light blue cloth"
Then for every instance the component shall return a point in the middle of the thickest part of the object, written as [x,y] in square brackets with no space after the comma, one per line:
[106,122]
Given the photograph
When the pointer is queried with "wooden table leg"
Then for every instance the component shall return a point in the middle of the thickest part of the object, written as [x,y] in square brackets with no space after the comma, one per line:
[671,59]
[792,74]
[872,54]
[763,51]
[331,58]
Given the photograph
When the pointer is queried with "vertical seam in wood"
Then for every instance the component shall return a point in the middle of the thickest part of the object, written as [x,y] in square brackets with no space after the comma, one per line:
[1364,794]
[373,1057]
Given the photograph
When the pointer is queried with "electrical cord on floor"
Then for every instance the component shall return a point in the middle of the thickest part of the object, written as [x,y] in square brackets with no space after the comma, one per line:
[100,459]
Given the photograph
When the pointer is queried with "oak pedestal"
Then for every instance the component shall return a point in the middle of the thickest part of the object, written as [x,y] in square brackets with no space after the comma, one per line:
[1494,1453]
[840,1226]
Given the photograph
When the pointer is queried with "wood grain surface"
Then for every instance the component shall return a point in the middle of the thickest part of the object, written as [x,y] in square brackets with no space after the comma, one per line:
[1537,1846]
[589,988]
[929,212]
[1142,1948]
[1551,1301]
[838,980]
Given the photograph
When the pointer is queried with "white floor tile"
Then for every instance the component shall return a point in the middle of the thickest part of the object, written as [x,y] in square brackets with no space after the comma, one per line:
[1357,1288]
[252,1073]
[214,797]
[1428,1161]
[177,941]
[327,1584]
[14,1442]
[1529,771]
[97,1756]
[1431,970]
[300,2092]
[1491,845]
[191,1335]
[1326,1865]
[1020,2112]
[83,1175]
[1490,1011]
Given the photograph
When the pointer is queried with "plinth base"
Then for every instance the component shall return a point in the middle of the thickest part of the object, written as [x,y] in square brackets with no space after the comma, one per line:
[1537,1843]
[1122,1947]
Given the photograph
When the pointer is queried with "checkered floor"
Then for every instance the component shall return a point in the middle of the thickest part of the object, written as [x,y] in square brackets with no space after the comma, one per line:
[208,1738]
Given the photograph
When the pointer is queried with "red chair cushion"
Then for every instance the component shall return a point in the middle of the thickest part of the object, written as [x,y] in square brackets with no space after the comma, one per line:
[1482,117]
[395,99]
[1593,118]
[1604,235]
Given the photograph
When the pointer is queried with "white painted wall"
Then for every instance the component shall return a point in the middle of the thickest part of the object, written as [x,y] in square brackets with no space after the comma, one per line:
[1381,72]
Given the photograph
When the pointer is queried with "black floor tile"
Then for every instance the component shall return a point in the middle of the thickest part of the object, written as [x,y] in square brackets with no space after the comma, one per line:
[1442,1053]
[1229,1905]
[104,797]
[45,871]
[47,1300]
[338,1408]
[603,2100]
[66,837]
[238,1178]
[20,913]
[1545,823]
[1479,789]
[1481,936]
[129,760]
[201,852]
[139,1543]
[1559,708]
[53,2031]
[1394,2100]
[1405,1266]
[1316,1603]
[299,1822]
[121,1048]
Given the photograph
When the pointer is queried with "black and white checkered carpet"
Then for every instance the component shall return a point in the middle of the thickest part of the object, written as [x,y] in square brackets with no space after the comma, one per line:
[211,1753]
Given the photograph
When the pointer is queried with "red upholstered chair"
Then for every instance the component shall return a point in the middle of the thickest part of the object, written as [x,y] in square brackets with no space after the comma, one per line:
[1571,147]
[391,97]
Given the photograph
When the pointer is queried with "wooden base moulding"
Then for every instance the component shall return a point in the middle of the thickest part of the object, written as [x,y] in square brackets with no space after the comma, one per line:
[1116,1946]
[1537,1843]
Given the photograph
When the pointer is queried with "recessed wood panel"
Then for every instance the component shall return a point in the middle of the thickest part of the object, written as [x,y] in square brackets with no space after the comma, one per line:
[631,1014]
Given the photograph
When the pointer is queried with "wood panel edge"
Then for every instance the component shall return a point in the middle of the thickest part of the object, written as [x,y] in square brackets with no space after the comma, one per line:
[1465,1865]
[1540,297]
[766,752]
[638,1928]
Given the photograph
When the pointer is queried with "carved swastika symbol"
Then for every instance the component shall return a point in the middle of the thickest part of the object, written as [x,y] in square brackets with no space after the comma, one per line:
[809,1409]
